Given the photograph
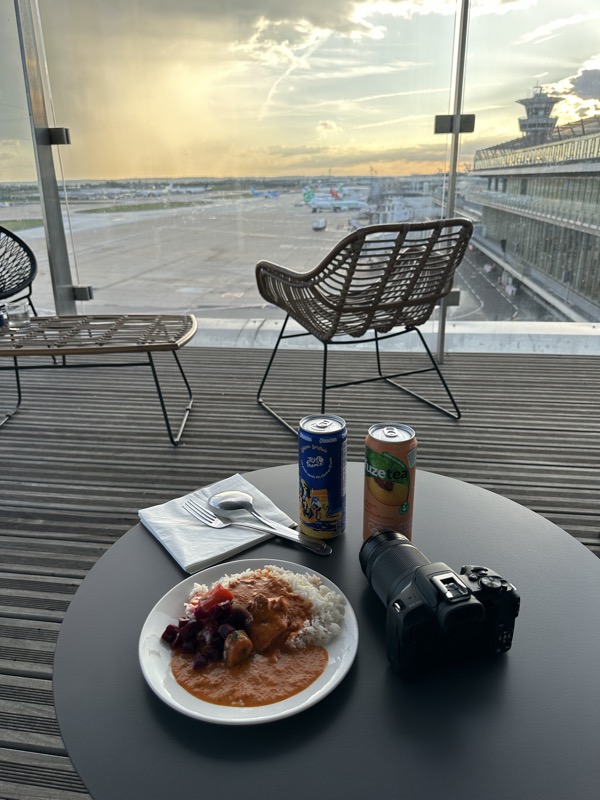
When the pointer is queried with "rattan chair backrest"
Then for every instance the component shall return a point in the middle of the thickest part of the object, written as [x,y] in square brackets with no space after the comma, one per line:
[387,275]
[18,265]
[377,278]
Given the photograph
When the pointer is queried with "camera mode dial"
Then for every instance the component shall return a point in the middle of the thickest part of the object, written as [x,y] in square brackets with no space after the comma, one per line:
[493,582]
[487,579]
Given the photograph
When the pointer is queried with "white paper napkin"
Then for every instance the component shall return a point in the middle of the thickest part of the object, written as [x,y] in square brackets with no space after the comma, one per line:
[195,546]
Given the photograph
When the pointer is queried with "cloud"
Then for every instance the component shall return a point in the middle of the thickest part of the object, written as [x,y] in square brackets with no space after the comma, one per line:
[580,93]
[236,18]
[327,127]
[552,29]
[500,7]
[587,84]
[241,20]
[284,43]
[202,87]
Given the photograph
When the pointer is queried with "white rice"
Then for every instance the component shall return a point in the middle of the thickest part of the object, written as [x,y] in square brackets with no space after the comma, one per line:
[328,605]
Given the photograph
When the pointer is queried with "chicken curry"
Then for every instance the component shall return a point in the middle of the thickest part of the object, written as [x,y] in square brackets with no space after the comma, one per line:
[257,662]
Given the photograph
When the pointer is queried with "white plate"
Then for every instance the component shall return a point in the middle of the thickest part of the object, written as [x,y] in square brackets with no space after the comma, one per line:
[155,654]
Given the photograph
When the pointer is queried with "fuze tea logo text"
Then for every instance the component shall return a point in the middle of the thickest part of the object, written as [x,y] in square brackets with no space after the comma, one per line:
[387,479]
[386,475]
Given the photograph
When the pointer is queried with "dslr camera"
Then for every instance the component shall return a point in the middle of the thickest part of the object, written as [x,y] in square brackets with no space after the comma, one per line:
[434,616]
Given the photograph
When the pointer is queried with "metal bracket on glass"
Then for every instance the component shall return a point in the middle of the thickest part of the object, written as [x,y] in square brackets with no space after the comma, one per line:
[59,135]
[83,292]
[454,123]
[453,298]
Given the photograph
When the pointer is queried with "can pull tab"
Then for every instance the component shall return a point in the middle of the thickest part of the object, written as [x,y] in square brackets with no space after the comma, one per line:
[323,424]
[396,432]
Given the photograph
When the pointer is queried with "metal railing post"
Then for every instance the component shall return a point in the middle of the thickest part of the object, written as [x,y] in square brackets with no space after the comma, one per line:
[33,58]
[460,54]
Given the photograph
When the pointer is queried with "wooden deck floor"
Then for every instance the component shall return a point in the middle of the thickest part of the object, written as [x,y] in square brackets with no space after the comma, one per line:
[88,449]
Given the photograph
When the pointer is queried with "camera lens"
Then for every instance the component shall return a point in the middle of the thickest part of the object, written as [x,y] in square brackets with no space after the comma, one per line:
[388,559]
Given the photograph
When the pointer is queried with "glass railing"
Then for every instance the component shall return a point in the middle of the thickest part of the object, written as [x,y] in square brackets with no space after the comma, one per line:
[577,149]
[203,143]
[20,208]
[531,182]
[569,212]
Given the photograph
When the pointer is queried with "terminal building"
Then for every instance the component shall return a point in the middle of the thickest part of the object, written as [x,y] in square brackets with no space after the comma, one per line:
[536,202]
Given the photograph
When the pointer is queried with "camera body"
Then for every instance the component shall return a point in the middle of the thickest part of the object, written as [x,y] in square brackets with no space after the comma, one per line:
[435,616]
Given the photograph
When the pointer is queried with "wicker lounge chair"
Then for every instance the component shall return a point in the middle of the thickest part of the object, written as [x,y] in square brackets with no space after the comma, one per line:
[382,280]
[18,268]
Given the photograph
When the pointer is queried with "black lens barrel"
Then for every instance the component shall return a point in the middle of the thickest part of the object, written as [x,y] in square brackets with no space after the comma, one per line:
[387,559]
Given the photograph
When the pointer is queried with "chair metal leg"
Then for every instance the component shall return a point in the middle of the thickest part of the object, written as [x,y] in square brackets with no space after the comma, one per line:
[269,365]
[174,439]
[324,378]
[259,400]
[388,378]
[381,376]
[19,393]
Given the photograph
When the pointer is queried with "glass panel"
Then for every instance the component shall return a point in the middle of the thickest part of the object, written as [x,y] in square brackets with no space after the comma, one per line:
[207,136]
[20,209]
[531,170]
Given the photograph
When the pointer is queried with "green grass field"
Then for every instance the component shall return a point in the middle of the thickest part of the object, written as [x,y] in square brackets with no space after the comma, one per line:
[15,225]
[142,207]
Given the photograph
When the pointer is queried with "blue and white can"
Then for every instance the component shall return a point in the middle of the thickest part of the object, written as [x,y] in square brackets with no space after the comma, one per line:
[322,446]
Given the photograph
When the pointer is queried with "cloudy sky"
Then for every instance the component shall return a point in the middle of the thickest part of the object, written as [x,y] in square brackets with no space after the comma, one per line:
[279,87]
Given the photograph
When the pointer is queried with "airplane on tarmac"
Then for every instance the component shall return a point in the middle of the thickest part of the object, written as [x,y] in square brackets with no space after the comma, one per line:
[256,193]
[158,192]
[332,201]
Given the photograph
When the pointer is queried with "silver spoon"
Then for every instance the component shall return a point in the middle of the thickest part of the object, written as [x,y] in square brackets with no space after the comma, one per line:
[226,504]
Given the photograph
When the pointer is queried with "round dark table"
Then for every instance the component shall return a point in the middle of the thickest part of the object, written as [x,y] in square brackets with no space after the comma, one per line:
[522,725]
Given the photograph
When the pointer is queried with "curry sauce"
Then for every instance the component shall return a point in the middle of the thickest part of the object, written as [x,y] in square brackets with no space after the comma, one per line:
[261,679]
[276,669]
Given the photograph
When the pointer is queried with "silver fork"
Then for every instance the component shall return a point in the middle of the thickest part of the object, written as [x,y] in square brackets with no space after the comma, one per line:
[208,518]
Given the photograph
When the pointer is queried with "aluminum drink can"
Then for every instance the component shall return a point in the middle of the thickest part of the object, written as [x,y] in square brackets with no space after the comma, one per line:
[322,445]
[390,467]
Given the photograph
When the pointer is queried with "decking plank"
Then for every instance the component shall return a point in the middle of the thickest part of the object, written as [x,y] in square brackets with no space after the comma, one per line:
[26,775]
[86,452]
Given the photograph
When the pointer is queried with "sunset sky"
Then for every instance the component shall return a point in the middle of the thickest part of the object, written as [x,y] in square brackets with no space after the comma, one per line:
[203,88]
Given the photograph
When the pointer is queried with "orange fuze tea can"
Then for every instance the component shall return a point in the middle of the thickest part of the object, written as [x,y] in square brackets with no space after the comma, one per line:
[390,467]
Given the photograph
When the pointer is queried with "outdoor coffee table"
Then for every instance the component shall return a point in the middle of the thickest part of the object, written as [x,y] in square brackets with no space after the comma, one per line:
[96,336]
[524,725]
